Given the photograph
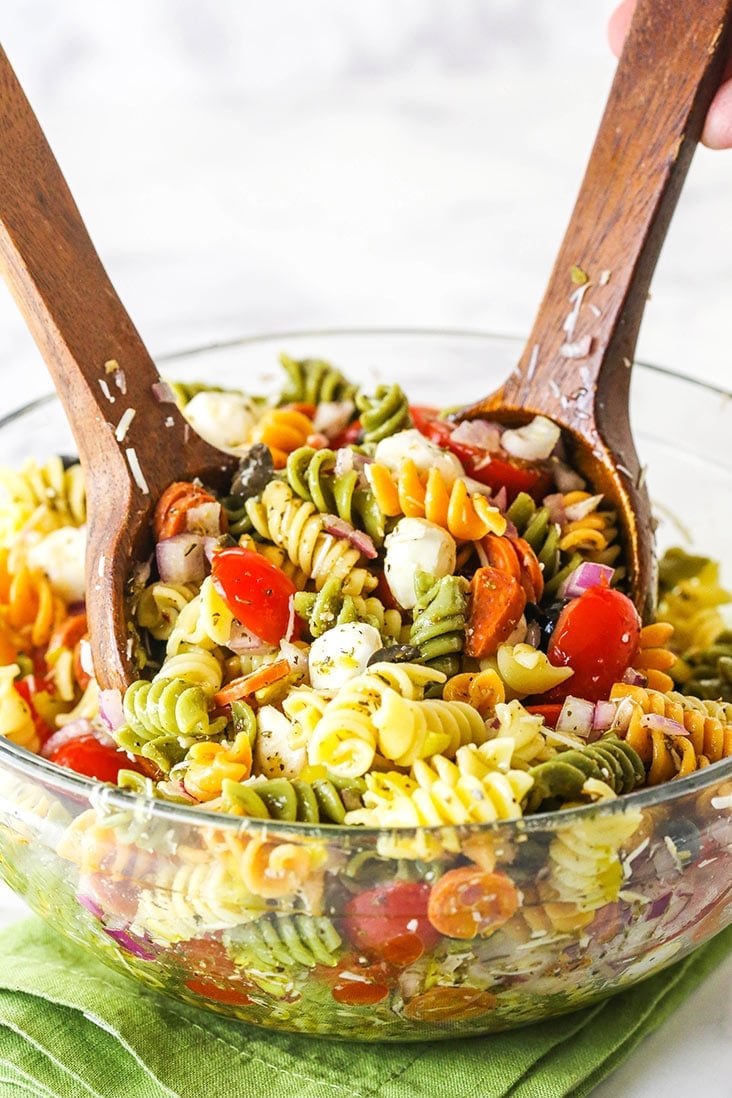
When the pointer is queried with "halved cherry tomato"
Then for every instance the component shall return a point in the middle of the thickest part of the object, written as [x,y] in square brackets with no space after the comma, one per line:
[257,592]
[470,901]
[208,990]
[390,921]
[87,755]
[597,636]
[495,472]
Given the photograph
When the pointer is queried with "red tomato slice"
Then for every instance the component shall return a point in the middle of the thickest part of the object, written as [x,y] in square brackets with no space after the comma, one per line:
[597,636]
[390,921]
[492,471]
[257,593]
[87,755]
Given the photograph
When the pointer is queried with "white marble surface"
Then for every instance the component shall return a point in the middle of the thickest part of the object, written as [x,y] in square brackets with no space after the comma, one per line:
[247,167]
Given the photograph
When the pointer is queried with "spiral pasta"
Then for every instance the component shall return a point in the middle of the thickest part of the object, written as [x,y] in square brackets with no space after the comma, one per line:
[330,606]
[439,620]
[587,773]
[57,492]
[295,526]
[534,524]
[584,859]
[654,658]
[708,673]
[708,725]
[174,707]
[272,948]
[159,605]
[313,381]
[468,516]
[594,535]
[439,791]
[312,475]
[318,798]
[384,413]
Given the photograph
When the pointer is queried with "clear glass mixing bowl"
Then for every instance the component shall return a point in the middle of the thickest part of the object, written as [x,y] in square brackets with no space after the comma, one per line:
[275,923]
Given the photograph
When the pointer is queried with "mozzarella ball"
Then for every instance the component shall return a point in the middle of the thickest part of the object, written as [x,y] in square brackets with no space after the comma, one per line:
[416,545]
[273,755]
[223,419]
[426,455]
[341,653]
[60,555]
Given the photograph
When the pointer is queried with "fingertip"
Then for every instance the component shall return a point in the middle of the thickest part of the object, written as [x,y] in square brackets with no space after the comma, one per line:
[618,24]
[717,133]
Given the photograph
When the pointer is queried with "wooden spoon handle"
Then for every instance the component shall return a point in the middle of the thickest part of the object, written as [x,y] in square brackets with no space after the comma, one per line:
[575,367]
[68,302]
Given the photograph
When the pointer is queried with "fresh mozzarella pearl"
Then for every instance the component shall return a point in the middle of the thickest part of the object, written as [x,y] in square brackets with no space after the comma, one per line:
[223,419]
[426,455]
[273,755]
[60,555]
[416,545]
[341,653]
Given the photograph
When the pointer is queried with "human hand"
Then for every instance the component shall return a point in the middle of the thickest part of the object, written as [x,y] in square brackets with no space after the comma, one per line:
[717,132]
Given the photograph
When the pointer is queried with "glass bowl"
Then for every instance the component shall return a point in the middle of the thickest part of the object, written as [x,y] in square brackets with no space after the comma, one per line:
[248,917]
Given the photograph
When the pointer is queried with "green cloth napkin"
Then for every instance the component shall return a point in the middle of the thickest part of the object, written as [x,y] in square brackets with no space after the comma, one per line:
[72,1028]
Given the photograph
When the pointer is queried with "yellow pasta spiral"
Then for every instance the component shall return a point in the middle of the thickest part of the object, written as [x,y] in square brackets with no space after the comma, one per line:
[439,791]
[708,723]
[209,764]
[584,858]
[32,608]
[594,535]
[468,516]
[481,689]
[47,496]
[295,526]
[654,657]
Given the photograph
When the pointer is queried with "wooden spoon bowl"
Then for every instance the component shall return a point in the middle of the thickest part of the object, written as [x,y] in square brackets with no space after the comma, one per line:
[576,365]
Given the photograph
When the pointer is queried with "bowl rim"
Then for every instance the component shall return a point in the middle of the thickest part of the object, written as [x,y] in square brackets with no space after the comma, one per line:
[99,794]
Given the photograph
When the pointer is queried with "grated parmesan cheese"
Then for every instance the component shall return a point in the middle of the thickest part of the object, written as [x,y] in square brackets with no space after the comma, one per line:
[134,463]
[124,424]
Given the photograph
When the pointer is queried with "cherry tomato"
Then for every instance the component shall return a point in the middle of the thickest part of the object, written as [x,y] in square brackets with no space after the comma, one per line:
[348,436]
[469,901]
[87,755]
[257,593]
[390,921]
[495,472]
[597,636]
[206,989]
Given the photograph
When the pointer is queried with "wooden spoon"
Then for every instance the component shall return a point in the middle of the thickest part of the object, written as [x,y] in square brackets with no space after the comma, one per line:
[102,372]
[576,366]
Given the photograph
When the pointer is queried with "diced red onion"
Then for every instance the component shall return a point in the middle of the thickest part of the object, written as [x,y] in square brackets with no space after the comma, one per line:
[634,678]
[242,641]
[332,416]
[658,723]
[71,731]
[339,528]
[478,433]
[586,575]
[604,716]
[111,709]
[348,460]
[500,500]
[576,715]
[659,906]
[181,559]
[534,441]
[163,393]
[566,478]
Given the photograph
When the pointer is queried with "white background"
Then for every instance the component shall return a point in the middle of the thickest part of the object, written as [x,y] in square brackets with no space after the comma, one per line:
[251,166]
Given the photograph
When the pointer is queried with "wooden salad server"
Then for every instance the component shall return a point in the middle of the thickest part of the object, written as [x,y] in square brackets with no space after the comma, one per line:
[131,445]
[576,365]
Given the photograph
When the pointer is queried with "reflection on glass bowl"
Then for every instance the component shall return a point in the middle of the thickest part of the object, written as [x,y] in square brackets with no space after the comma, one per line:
[325,929]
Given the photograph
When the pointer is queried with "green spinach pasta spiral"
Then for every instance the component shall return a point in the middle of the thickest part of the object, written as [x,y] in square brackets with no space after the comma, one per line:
[313,381]
[384,413]
[173,707]
[535,526]
[610,760]
[707,673]
[324,799]
[440,617]
[330,606]
[311,474]
[271,947]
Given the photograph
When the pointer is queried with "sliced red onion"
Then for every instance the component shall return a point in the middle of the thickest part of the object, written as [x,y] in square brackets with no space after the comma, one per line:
[90,904]
[634,678]
[130,944]
[533,442]
[339,528]
[586,575]
[624,709]
[658,723]
[347,460]
[182,558]
[333,416]
[500,500]
[291,619]
[576,715]
[478,433]
[163,393]
[554,504]
[583,508]
[111,709]
[242,641]
[71,731]
[566,478]
[659,906]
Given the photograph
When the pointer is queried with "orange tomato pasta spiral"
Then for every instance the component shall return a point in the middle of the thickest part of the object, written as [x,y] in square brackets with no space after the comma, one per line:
[282,430]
